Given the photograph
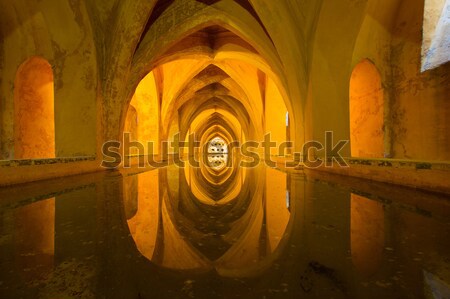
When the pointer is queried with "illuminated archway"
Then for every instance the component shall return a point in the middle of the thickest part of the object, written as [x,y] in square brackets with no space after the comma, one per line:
[366,111]
[34,117]
[212,64]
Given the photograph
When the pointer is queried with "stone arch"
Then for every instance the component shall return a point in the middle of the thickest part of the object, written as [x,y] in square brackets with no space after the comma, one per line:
[147,56]
[34,116]
[366,111]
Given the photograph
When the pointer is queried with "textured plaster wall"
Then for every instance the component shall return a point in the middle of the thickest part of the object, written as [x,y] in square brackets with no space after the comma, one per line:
[415,102]
[34,118]
[421,105]
[388,33]
[374,43]
[366,112]
[328,95]
[60,32]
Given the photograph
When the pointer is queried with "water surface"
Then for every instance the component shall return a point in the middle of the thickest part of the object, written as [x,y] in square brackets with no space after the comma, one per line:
[222,233]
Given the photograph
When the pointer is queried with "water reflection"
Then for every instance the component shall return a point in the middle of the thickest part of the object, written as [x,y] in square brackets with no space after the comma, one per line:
[367,234]
[236,233]
[143,210]
[35,238]
[233,227]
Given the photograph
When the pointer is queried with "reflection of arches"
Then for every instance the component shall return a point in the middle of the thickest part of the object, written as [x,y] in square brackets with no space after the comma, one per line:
[34,119]
[143,219]
[277,212]
[175,232]
[366,111]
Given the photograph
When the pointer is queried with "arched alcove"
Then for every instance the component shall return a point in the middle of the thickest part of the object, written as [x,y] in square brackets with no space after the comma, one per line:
[366,111]
[34,116]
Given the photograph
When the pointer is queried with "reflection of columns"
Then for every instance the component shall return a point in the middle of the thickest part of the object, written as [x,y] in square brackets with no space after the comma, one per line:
[277,213]
[145,222]
[264,245]
[367,234]
[169,244]
[130,196]
[35,237]
[178,253]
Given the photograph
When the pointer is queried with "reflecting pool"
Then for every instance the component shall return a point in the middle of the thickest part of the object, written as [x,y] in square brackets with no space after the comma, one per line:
[225,232]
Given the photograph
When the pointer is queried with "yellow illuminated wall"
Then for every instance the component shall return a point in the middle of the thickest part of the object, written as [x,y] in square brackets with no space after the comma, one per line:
[132,128]
[366,112]
[34,119]
[275,115]
[145,101]
[142,119]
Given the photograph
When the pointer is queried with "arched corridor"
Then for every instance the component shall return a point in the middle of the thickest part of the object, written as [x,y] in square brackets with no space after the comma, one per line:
[224,148]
